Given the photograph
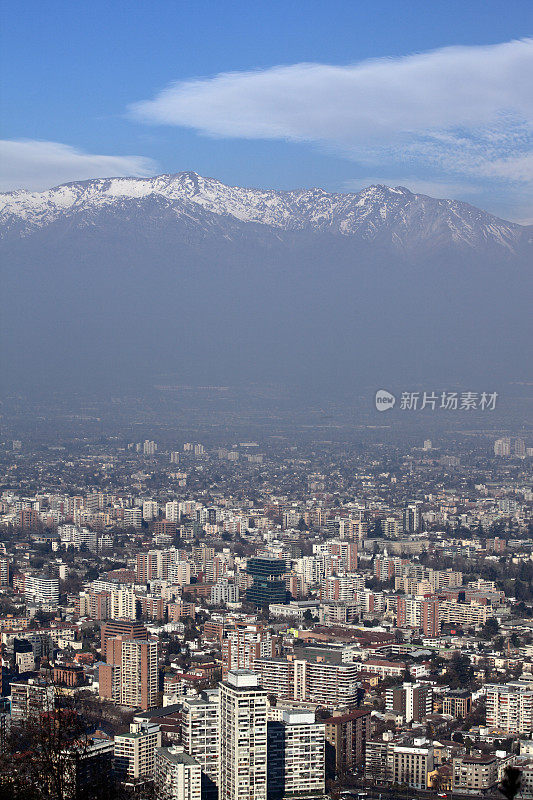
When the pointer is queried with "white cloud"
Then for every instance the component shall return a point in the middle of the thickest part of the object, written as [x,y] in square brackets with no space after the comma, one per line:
[36,165]
[458,108]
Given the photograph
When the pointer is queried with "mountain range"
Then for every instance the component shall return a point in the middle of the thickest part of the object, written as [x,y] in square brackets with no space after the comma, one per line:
[125,280]
[394,216]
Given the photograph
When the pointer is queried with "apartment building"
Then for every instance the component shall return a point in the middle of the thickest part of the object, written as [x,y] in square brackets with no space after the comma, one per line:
[296,754]
[4,571]
[474,774]
[139,683]
[422,613]
[341,588]
[326,681]
[510,707]
[121,627]
[346,736]
[133,517]
[412,763]
[200,736]
[41,591]
[177,776]
[224,592]
[346,551]
[463,614]
[412,701]
[135,752]
[95,605]
[154,564]
[244,643]
[457,703]
[243,740]
[406,761]
[382,667]
[122,604]
[29,699]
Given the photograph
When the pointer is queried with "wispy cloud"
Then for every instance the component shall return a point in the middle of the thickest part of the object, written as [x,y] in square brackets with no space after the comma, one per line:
[457,111]
[36,165]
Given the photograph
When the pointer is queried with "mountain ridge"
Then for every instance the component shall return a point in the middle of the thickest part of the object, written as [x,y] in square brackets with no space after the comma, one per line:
[392,215]
[120,281]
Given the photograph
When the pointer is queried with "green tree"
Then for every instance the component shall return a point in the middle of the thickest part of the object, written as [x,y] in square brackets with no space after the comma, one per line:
[490,629]
[511,782]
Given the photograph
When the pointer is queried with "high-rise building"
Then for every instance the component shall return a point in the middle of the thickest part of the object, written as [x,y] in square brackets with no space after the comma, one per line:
[510,707]
[200,736]
[346,737]
[121,627]
[412,763]
[173,511]
[419,612]
[411,518]
[149,448]
[268,585]
[177,775]
[295,755]
[243,737]
[31,699]
[130,675]
[327,680]
[407,762]
[41,591]
[519,448]
[244,643]
[4,571]
[122,604]
[502,447]
[457,703]
[413,701]
[154,564]
[133,517]
[139,679]
[390,527]
[430,617]
[150,510]
[346,552]
[135,752]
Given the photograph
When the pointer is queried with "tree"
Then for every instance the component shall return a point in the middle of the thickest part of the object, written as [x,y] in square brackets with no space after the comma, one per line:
[511,782]
[44,756]
[490,629]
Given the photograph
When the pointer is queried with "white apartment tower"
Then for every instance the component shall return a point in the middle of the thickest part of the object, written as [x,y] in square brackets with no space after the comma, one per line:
[296,753]
[200,735]
[135,751]
[177,775]
[243,739]
[502,447]
[510,707]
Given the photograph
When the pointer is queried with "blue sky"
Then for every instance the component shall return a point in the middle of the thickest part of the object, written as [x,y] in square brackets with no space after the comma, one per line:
[434,95]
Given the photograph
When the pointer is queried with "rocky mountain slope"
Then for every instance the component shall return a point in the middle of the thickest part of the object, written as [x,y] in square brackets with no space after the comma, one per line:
[393,216]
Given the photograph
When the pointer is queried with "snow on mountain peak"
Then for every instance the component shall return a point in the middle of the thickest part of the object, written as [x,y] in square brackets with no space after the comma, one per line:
[367,214]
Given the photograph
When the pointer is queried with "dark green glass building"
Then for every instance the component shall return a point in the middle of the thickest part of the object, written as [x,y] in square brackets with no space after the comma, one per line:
[268,585]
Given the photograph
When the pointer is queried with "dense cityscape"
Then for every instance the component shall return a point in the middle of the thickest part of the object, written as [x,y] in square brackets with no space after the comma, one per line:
[278,618]
[266,403]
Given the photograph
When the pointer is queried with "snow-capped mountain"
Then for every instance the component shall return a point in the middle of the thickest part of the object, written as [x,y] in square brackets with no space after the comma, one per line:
[130,279]
[393,216]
